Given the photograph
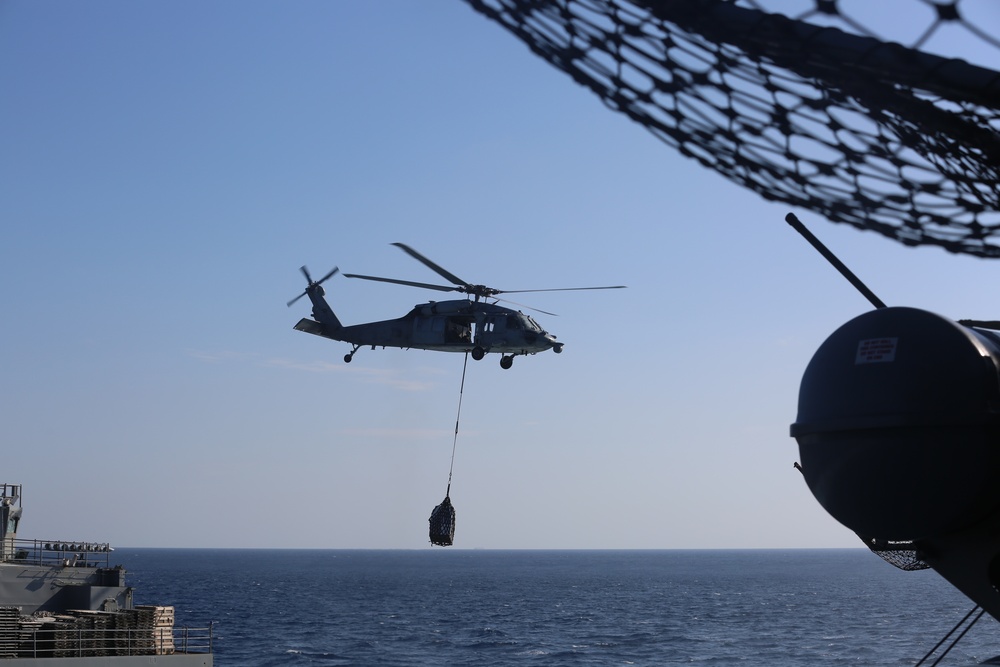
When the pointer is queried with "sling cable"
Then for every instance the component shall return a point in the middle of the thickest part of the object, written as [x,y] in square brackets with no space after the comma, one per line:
[442,520]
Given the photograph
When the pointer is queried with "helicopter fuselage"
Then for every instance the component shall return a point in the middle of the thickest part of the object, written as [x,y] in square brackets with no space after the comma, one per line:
[460,325]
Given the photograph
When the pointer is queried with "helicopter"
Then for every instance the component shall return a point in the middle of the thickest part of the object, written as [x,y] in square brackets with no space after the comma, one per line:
[473,325]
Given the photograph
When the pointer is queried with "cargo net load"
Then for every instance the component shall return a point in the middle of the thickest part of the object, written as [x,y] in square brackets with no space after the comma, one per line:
[902,554]
[442,524]
[816,109]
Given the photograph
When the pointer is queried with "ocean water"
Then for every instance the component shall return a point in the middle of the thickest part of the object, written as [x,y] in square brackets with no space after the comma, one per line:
[453,607]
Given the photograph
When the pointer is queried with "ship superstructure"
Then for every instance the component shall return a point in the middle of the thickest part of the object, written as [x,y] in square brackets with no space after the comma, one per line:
[63,600]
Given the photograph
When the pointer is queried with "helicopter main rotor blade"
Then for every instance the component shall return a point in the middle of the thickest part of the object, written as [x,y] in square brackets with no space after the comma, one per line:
[447,275]
[557,289]
[440,288]
[537,310]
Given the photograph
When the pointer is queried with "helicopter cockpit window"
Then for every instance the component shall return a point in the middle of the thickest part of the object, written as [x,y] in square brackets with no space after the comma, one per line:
[514,322]
[530,324]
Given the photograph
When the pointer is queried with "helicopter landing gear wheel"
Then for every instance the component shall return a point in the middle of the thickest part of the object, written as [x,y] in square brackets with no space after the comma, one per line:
[478,353]
[350,355]
[506,362]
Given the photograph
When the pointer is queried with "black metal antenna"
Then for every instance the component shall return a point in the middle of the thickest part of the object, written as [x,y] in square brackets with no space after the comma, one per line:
[837,264]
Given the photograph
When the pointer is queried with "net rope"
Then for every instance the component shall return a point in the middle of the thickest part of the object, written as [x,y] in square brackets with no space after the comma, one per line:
[815,110]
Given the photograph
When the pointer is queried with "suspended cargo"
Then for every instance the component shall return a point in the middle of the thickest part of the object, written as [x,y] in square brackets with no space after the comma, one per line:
[442,524]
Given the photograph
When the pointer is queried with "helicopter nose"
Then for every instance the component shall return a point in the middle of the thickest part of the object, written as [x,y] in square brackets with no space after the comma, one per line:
[553,343]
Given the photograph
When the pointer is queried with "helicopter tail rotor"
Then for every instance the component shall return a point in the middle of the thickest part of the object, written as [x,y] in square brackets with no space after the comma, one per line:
[313,285]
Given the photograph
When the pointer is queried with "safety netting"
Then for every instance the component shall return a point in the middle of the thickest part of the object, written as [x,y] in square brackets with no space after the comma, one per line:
[902,554]
[815,110]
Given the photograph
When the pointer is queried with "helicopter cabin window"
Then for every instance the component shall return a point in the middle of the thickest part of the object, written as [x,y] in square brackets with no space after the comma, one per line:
[429,324]
[457,331]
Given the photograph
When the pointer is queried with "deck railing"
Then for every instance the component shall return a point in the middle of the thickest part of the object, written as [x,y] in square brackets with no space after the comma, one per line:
[56,552]
[87,642]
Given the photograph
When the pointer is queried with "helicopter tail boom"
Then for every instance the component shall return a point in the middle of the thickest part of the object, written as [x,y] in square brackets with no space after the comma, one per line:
[321,310]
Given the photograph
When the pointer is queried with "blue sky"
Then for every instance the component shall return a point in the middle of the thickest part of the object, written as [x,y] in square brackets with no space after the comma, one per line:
[166,169]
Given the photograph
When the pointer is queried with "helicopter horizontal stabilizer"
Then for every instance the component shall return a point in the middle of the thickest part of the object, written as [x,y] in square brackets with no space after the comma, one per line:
[314,327]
